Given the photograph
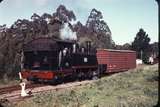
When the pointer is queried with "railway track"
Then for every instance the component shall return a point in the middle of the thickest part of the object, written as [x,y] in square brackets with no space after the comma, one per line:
[10,89]
[13,94]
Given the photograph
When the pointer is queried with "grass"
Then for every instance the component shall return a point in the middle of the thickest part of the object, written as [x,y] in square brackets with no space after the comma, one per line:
[135,88]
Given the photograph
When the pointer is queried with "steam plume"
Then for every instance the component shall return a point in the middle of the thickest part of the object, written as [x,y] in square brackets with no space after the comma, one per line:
[67,33]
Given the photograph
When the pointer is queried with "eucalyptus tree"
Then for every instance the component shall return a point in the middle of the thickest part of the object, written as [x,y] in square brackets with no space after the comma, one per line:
[141,44]
[63,14]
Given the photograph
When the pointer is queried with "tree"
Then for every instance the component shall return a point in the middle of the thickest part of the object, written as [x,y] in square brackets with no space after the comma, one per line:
[39,24]
[141,45]
[47,17]
[3,30]
[97,27]
[64,14]
[95,22]
[154,49]
[126,46]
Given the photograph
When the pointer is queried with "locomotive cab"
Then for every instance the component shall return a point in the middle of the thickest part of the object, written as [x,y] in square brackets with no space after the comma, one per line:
[40,60]
[43,57]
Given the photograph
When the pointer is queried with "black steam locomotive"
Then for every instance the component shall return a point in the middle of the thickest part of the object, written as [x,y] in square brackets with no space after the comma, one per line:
[47,59]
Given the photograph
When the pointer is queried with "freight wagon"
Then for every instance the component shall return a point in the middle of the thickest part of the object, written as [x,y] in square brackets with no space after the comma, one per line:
[116,60]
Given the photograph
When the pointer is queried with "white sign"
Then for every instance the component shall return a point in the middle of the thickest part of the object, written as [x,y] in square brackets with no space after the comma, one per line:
[85,59]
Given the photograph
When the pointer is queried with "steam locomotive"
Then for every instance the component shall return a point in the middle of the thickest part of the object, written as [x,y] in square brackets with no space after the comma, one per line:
[47,59]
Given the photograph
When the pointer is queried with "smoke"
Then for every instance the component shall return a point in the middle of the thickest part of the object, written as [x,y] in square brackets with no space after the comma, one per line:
[67,33]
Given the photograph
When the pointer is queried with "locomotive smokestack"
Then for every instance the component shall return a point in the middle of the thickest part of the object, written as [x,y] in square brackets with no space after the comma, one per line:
[88,44]
[74,48]
[60,58]
[82,49]
[22,60]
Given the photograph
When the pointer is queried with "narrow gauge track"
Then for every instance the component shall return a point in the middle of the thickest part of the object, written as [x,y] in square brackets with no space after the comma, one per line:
[10,89]
[14,96]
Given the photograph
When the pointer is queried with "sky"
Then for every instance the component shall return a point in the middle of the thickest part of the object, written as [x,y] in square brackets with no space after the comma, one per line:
[124,17]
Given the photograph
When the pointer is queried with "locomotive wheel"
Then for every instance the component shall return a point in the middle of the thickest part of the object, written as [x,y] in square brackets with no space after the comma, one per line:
[95,75]
[56,80]
[83,76]
[90,75]
[74,76]
[79,76]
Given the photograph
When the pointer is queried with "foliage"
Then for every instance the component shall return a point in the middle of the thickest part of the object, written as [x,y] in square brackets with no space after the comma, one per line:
[63,14]
[154,49]
[95,22]
[96,30]
[125,46]
[141,44]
